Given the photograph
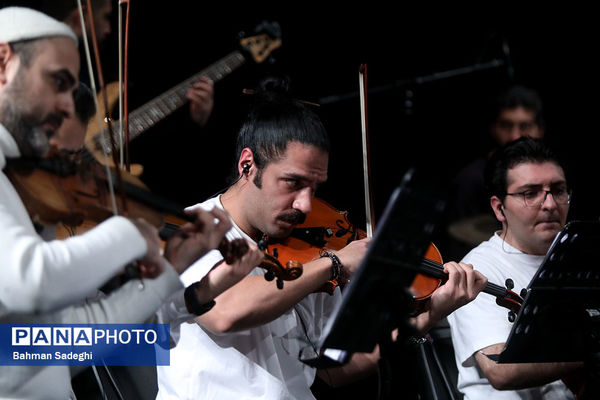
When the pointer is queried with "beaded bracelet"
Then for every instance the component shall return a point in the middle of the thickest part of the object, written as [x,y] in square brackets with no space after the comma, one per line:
[336,264]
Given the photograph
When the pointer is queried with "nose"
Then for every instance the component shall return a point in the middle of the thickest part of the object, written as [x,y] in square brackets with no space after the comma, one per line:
[515,132]
[549,202]
[303,200]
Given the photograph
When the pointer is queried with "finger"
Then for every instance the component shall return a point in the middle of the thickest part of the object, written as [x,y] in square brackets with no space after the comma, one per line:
[251,259]
[197,224]
[148,270]
[207,80]
[201,217]
[205,84]
[257,255]
[474,281]
[224,222]
[457,276]
[199,96]
[480,281]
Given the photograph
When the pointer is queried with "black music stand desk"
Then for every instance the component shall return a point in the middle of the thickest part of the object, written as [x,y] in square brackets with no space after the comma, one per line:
[377,299]
[561,310]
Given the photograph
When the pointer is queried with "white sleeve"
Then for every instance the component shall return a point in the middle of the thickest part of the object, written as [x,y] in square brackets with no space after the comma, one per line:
[133,303]
[39,276]
[480,323]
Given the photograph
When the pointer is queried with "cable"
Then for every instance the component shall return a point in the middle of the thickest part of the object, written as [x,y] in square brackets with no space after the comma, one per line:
[99,382]
[113,383]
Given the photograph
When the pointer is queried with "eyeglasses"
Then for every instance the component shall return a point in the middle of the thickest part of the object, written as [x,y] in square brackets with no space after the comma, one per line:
[535,198]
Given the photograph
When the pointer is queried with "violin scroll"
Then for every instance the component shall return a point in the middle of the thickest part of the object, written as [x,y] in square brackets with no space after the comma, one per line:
[292,270]
[274,269]
[510,300]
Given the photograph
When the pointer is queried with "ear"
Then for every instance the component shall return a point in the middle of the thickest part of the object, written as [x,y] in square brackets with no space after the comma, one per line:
[497,207]
[6,54]
[246,158]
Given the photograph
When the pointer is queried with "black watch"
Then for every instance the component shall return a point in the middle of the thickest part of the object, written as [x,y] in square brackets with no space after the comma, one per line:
[191,301]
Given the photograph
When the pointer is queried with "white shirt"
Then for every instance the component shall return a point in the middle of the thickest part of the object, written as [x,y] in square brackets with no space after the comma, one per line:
[132,303]
[257,363]
[483,323]
[39,276]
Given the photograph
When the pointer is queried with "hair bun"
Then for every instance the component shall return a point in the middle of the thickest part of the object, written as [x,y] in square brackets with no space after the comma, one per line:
[274,85]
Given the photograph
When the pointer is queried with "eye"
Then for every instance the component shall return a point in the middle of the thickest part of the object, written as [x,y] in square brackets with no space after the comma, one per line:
[506,125]
[526,126]
[531,194]
[292,183]
[62,81]
[59,82]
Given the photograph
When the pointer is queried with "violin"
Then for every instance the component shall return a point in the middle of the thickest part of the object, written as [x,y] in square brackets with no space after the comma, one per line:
[236,248]
[327,229]
[60,191]
[324,229]
[431,275]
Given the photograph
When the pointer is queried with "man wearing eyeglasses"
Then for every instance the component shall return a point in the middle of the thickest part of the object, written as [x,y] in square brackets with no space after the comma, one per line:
[530,197]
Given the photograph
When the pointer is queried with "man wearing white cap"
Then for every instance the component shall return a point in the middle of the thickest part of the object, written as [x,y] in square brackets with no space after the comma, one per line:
[39,64]
[41,281]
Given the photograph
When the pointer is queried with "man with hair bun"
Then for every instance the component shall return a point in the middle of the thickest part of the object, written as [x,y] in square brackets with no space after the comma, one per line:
[249,344]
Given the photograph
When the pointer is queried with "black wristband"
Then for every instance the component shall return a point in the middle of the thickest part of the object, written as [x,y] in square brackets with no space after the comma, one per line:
[191,301]
[336,264]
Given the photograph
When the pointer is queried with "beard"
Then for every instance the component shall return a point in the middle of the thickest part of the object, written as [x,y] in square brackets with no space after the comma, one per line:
[27,128]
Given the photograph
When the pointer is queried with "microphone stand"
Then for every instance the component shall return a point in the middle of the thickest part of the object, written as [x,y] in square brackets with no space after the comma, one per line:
[436,76]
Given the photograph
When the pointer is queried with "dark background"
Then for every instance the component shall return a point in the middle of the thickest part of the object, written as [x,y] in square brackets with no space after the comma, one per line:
[437,126]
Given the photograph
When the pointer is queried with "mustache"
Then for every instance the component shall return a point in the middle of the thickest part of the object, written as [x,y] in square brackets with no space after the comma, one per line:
[294,217]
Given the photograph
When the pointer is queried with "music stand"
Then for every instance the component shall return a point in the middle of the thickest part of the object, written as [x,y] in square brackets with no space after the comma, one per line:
[377,298]
[561,310]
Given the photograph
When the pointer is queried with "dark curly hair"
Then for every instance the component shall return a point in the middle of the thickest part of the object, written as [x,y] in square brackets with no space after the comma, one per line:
[522,150]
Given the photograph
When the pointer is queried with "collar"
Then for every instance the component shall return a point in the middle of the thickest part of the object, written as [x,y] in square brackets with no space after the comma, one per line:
[8,146]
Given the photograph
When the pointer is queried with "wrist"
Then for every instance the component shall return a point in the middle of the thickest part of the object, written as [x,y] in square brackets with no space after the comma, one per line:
[423,322]
[336,265]
[193,301]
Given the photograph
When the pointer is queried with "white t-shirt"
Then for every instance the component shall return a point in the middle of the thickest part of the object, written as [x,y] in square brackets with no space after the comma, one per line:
[483,323]
[257,363]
